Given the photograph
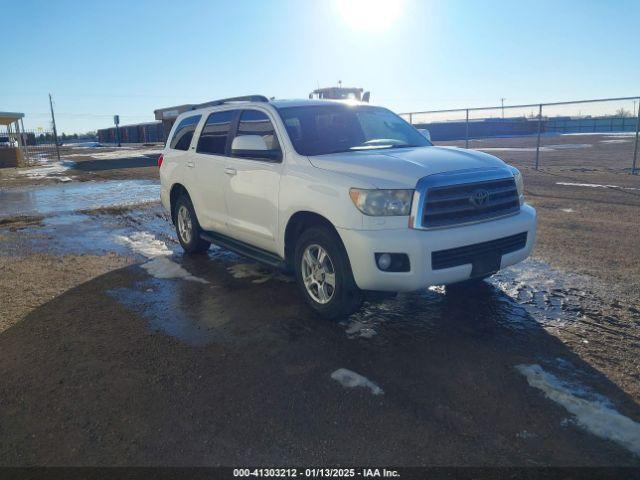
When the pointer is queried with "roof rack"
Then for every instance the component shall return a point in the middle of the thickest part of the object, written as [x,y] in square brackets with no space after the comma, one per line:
[244,98]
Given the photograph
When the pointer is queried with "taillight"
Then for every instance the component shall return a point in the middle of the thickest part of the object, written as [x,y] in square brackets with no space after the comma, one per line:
[160,160]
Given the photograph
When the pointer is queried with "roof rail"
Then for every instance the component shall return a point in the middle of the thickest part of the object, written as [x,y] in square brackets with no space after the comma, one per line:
[244,98]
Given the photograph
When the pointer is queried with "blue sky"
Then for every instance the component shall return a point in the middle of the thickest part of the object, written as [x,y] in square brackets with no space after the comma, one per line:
[130,57]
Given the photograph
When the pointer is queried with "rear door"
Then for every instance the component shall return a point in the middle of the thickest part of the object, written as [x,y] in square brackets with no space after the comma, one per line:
[253,184]
[209,163]
[177,161]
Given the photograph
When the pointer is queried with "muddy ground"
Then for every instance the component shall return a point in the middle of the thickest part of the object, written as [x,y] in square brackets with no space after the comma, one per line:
[116,349]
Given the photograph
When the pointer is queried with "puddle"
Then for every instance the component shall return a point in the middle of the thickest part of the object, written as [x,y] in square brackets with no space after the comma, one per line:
[519,299]
[168,307]
[78,233]
[46,200]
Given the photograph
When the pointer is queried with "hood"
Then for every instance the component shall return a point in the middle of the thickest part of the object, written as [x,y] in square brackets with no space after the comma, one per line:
[401,168]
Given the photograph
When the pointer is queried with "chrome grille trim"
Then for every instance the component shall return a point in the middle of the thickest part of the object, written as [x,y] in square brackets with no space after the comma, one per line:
[444,195]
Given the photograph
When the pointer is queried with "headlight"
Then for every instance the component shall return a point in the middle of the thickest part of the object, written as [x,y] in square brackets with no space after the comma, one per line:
[379,203]
[519,184]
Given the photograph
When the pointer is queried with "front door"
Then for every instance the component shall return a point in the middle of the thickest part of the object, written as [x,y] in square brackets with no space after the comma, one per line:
[253,185]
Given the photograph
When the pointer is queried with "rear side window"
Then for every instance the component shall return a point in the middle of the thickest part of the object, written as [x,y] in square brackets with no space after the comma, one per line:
[213,139]
[184,133]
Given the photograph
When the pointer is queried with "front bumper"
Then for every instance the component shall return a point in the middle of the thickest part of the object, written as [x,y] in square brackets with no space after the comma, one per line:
[361,246]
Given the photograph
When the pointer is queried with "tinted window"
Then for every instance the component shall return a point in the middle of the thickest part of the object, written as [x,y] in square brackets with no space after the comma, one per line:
[215,132]
[184,133]
[321,129]
[255,122]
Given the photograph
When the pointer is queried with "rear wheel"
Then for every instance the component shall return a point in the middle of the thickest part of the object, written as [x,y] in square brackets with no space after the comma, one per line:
[323,274]
[187,227]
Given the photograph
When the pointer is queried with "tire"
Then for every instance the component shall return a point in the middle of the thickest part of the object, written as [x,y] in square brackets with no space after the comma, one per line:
[329,301]
[187,226]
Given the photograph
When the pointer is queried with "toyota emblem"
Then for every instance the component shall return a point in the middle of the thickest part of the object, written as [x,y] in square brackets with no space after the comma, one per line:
[479,197]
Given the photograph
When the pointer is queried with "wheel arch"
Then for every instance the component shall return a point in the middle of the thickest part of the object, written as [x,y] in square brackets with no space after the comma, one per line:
[177,189]
[298,223]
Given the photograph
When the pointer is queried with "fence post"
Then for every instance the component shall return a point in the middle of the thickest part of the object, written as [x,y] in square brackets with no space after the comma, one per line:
[539,131]
[635,148]
[411,118]
[466,134]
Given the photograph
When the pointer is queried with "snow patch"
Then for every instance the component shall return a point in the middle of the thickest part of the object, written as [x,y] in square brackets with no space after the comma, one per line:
[569,146]
[145,244]
[546,148]
[594,185]
[124,152]
[163,267]
[510,149]
[159,265]
[606,134]
[350,379]
[596,415]
[567,210]
[44,171]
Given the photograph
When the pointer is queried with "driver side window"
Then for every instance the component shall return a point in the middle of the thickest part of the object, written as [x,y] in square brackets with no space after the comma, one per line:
[255,122]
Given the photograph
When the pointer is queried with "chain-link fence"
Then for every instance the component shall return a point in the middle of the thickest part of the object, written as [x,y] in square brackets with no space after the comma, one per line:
[587,134]
[27,147]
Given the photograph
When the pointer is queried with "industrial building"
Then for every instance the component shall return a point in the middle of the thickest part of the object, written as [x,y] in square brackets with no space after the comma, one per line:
[167,116]
[150,132]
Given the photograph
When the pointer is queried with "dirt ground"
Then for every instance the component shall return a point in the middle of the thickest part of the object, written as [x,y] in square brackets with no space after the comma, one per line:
[117,349]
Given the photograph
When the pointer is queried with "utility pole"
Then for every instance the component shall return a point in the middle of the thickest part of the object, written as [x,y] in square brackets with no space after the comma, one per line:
[502,103]
[635,148]
[55,131]
[116,121]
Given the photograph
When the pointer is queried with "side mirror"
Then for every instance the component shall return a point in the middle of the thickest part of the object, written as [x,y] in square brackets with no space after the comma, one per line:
[253,146]
[366,96]
[425,133]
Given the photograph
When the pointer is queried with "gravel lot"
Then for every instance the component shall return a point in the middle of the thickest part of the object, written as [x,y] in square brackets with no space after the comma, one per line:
[116,349]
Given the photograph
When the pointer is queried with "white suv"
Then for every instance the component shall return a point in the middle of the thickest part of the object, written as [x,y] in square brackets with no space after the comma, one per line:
[348,196]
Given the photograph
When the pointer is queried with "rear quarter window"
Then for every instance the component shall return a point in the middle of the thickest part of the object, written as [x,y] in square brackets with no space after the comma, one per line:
[184,133]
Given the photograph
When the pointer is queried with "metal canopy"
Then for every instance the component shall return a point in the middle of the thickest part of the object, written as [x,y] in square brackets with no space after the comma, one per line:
[7,118]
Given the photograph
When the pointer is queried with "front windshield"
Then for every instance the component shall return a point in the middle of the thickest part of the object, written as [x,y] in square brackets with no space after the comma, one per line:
[332,128]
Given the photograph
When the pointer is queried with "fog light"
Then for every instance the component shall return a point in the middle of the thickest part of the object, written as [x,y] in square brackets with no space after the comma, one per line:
[384,261]
[392,262]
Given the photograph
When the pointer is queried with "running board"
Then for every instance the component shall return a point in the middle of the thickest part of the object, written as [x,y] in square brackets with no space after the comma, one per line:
[245,249]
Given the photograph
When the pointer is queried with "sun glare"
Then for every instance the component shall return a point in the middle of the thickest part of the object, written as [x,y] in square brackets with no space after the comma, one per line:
[370,14]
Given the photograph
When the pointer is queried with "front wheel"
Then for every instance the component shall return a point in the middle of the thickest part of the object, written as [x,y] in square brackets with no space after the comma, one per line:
[323,274]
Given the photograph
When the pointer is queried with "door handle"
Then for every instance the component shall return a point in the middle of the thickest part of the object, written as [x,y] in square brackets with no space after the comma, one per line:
[230,171]
[190,164]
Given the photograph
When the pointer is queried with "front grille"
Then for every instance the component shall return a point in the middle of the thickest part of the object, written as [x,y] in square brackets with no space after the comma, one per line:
[454,204]
[454,257]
